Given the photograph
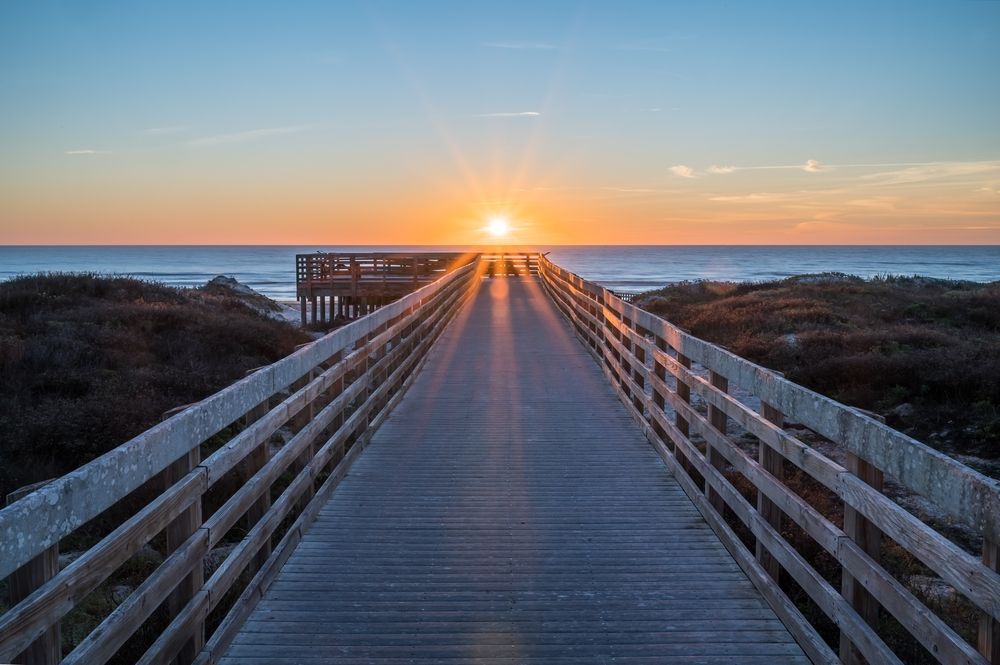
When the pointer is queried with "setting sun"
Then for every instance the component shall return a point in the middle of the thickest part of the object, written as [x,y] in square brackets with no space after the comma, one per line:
[498,227]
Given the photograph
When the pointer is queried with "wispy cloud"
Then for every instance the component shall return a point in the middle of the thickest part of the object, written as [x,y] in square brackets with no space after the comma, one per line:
[810,166]
[682,171]
[249,135]
[922,172]
[522,46]
[88,152]
[173,129]
[900,173]
[515,114]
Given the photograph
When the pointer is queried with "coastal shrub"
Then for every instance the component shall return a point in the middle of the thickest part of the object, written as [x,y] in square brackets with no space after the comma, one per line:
[88,362]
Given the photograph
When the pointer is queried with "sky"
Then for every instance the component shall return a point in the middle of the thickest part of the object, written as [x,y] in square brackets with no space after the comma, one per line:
[424,122]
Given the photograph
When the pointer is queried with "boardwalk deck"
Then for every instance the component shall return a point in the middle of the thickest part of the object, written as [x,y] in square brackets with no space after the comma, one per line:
[510,511]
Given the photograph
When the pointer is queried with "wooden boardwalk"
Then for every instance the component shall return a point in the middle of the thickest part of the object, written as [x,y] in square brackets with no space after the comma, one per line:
[510,511]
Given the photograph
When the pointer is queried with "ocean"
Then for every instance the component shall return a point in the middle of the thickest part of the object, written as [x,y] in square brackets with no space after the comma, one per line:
[271,269]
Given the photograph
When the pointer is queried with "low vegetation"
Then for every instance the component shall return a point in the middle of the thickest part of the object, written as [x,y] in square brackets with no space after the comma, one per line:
[924,353]
[88,362]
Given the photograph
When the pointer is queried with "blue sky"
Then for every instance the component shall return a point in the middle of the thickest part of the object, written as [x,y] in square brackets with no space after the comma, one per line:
[181,119]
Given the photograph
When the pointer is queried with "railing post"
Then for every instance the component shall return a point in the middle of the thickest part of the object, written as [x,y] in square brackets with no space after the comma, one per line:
[659,401]
[640,355]
[47,649]
[253,463]
[299,422]
[684,393]
[717,419]
[868,536]
[989,628]
[177,532]
[773,463]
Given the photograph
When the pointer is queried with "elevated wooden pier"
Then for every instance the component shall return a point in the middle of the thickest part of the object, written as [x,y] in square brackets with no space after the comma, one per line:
[500,505]
[490,520]
[340,286]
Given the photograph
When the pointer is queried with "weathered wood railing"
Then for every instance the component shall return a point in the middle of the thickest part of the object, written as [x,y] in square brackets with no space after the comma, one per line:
[208,481]
[504,263]
[707,411]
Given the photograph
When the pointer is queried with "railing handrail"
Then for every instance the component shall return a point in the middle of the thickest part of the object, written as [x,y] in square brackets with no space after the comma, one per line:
[639,350]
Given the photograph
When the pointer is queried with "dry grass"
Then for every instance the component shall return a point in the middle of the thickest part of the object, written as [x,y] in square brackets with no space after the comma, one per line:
[88,362]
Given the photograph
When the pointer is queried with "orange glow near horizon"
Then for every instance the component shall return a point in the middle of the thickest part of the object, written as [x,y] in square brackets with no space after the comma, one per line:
[957,204]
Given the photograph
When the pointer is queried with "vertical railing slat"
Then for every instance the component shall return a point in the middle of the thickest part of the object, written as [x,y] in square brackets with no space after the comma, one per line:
[177,533]
[773,463]
[717,419]
[868,536]
[47,649]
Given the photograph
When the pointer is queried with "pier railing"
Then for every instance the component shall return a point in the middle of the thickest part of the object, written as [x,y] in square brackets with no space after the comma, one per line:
[721,424]
[503,263]
[208,485]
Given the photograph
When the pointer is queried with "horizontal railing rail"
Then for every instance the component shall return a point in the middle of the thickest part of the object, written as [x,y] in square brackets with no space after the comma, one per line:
[718,421]
[510,263]
[210,484]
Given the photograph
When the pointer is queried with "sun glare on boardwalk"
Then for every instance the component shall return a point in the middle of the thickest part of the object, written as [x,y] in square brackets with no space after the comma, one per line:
[498,227]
